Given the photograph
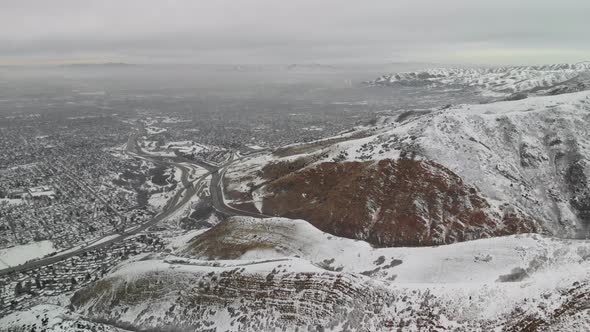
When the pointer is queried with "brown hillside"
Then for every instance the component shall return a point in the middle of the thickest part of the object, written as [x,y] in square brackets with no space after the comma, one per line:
[390,203]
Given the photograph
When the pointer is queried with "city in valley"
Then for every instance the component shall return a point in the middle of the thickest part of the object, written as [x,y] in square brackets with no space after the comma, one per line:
[93,177]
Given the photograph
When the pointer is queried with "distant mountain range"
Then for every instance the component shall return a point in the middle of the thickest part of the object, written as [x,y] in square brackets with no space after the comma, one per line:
[499,81]
[106,64]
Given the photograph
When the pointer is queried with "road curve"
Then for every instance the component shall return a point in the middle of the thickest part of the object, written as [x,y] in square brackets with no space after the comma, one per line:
[216,190]
[191,188]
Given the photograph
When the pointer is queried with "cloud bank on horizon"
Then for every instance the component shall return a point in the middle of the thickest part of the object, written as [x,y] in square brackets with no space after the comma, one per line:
[304,31]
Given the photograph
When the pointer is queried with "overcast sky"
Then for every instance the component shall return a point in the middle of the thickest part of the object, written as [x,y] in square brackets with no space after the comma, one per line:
[294,31]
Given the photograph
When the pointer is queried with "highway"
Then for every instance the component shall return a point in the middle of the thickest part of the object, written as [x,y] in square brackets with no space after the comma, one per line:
[217,172]
[216,191]
[182,197]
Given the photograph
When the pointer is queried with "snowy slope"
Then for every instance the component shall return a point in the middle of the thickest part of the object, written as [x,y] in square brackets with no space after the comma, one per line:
[51,318]
[181,294]
[520,152]
[480,261]
[338,283]
[531,154]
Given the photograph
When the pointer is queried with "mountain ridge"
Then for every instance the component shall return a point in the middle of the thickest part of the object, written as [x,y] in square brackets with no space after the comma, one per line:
[528,156]
[493,81]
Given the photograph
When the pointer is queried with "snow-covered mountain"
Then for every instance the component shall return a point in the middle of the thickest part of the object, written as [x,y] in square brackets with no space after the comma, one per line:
[276,274]
[469,171]
[497,81]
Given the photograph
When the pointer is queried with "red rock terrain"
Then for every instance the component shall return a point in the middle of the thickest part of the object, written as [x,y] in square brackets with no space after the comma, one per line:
[391,203]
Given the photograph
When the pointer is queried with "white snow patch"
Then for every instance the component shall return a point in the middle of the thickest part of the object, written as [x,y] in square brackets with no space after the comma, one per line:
[20,254]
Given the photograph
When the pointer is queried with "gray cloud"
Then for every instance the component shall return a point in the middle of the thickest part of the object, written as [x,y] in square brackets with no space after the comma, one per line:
[277,31]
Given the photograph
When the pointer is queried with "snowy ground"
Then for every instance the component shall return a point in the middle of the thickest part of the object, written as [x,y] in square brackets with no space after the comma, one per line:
[12,201]
[476,285]
[160,195]
[20,254]
[483,279]
[51,318]
[152,130]
[481,261]
[159,200]
[170,149]
[178,241]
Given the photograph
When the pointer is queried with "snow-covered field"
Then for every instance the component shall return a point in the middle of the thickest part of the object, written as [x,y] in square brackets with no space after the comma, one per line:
[12,201]
[20,254]
[159,200]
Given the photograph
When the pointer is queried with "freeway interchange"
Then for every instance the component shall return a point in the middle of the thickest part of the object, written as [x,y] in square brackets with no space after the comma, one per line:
[177,202]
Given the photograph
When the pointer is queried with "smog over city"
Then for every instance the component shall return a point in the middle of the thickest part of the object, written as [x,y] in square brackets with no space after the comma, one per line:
[302,165]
